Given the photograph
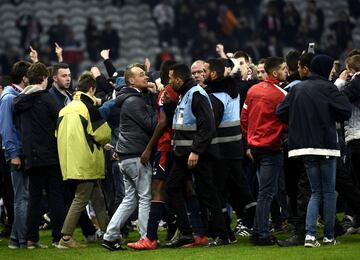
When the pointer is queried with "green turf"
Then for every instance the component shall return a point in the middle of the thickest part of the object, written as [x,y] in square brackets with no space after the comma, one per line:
[349,248]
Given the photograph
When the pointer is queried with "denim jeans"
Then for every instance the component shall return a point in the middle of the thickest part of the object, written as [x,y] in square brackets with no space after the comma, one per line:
[137,181]
[269,167]
[321,172]
[21,198]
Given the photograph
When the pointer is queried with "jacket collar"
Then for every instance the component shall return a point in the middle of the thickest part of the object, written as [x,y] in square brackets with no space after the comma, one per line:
[81,96]
[188,84]
[271,80]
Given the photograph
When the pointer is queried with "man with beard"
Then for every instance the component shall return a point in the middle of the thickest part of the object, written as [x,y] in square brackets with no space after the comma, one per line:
[228,170]
[263,131]
[193,134]
[61,84]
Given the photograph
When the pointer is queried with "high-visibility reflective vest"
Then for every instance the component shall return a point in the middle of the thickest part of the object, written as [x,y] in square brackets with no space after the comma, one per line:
[229,131]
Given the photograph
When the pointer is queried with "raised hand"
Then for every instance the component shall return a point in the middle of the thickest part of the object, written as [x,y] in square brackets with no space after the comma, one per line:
[33,55]
[58,51]
[105,54]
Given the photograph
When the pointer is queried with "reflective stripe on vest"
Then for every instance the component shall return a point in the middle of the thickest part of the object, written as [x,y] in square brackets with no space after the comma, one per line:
[216,140]
[229,129]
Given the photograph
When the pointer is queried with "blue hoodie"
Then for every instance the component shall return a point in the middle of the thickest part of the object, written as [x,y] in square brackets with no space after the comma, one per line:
[10,137]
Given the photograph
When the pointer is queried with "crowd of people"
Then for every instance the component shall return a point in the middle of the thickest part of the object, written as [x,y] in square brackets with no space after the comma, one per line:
[196,26]
[273,144]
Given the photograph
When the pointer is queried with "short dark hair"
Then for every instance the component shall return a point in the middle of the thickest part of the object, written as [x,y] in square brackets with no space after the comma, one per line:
[19,70]
[305,59]
[36,73]
[164,71]
[239,54]
[86,82]
[227,63]
[181,71]
[272,64]
[262,61]
[56,67]
[5,80]
[218,66]
[292,59]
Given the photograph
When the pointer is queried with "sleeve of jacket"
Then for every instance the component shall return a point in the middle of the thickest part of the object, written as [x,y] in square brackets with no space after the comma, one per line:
[340,105]
[352,89]
[103,88]
[9,133]
[244,119]
[106,108]
[218,108]
[282,110]
[205,122]
[53,106]
[110,69]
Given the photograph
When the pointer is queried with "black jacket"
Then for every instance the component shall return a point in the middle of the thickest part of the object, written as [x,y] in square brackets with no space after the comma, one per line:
[36,116]
[59,97]
[311,109]
[137,123]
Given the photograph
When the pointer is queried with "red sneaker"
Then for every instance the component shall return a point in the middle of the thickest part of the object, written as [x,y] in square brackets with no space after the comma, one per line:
[199,241]
[143,244]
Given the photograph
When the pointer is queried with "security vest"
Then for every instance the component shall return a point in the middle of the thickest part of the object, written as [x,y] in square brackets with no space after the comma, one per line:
[184,122]
[229,131]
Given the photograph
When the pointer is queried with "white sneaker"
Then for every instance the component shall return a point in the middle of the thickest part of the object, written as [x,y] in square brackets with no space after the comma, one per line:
[310,241]
[327,241]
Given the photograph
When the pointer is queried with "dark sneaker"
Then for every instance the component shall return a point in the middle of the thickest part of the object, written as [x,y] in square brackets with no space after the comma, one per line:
[310,241]
[112,245]
[171,230]
[218,242]
[181,241]
[13,244]
[34,245]
[232,238]
[295,240]
[269,241]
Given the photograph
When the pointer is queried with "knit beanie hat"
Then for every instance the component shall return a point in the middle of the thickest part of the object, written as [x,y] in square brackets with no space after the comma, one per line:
[322,64]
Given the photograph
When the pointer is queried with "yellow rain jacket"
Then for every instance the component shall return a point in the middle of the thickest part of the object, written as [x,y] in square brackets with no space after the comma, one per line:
[81,132]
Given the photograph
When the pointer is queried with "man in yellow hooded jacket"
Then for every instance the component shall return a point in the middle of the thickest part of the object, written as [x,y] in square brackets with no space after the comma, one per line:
[81,133]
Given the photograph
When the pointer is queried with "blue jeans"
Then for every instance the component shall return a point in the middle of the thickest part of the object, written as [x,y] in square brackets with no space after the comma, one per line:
[137,181]
[321,172]
[20,183]
[269,167]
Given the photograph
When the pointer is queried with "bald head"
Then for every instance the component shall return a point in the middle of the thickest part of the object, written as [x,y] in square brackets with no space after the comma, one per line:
[197,72]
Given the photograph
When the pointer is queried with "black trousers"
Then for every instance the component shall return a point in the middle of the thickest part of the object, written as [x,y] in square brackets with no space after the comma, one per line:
[6,190]
[207,194]
[50,179]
